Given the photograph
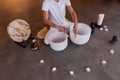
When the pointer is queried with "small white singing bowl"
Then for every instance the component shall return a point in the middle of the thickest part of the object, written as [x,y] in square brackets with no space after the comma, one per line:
[58,41]
[83,35]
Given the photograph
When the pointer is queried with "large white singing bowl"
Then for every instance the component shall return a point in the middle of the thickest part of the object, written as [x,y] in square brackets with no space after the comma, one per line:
[83,35]
[58,41]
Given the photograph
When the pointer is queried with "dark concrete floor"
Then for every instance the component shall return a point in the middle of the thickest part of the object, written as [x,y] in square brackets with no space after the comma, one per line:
[17,63]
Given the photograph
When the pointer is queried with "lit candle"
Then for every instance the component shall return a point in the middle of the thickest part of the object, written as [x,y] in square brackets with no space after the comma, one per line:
[42,61]
[71,72]
[106,30]
[54,69]
[88,69]
[101,29]
[100,19]
[104,62]
[112,51]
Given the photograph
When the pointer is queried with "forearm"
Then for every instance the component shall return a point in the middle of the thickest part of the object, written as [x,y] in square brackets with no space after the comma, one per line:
[49,23]
[74,17]
[60,28]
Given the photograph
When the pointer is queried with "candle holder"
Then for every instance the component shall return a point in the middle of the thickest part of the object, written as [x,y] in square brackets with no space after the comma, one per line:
[98,26]
[24,44]
[35,46]
[114,39]
[92,25]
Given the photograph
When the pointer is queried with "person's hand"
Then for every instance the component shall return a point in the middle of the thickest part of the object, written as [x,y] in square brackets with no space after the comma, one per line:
[62,29]
[75,29]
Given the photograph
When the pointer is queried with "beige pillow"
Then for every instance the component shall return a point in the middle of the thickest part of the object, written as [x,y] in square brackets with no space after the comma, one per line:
[42,33]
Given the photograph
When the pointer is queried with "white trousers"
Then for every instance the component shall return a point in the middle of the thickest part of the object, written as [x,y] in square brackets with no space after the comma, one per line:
[52,30]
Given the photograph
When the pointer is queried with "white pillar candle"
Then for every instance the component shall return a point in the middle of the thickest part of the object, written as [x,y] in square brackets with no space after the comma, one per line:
[100,19]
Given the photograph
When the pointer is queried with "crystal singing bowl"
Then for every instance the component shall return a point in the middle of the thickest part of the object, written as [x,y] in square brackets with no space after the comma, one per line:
[83,35]
[58,41]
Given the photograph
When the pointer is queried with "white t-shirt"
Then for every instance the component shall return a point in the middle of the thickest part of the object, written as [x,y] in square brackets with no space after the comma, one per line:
[56,10]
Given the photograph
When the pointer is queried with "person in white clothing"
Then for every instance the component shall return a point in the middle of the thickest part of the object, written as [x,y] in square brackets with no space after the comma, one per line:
[54,12]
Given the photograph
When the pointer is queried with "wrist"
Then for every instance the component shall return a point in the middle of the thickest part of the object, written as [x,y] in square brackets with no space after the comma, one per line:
[57,27]
[75,24]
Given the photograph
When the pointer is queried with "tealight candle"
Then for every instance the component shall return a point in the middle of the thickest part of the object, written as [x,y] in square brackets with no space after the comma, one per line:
[100,19]
[42,61]
[88,69]
[54,69]
[106,30]
[104,62]
[71,72]
[101,29]
[105,26]
[112,51]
